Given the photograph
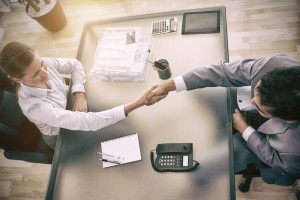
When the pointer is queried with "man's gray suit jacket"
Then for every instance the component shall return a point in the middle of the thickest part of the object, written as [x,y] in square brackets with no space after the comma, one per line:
[276,142]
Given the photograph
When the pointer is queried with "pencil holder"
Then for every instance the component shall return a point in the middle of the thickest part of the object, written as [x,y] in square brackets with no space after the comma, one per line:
[163,69]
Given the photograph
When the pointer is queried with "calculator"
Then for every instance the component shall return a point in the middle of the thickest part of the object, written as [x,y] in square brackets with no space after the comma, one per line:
[164,26]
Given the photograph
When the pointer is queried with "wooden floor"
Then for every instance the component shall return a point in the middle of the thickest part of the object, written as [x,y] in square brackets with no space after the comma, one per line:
[256,28]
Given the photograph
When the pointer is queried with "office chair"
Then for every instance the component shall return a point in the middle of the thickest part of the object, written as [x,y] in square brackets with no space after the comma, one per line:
[252,171]
[20,138]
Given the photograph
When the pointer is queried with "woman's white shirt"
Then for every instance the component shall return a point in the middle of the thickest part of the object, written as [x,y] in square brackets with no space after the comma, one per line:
[47,107]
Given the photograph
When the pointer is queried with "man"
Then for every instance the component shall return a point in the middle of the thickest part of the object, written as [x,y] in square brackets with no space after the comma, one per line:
[275,92]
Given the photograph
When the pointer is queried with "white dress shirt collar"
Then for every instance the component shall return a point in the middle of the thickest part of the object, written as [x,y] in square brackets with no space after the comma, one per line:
[32,91]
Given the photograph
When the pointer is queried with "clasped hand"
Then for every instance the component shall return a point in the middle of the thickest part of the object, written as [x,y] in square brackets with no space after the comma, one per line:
[156,94]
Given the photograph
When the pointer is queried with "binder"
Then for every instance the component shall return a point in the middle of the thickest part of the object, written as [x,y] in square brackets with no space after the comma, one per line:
[125,149]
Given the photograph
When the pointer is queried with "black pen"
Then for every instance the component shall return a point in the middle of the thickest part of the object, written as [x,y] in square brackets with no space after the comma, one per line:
[111,161]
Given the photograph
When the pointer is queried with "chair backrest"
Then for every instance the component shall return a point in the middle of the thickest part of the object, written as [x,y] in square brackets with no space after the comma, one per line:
[16,131]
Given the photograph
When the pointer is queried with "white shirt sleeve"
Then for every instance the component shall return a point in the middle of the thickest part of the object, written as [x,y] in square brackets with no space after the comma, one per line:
[247,132]
[73,67]
[180,84]
[91,121]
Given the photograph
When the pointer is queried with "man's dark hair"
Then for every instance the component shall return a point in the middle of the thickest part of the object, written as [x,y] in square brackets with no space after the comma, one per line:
[280,90]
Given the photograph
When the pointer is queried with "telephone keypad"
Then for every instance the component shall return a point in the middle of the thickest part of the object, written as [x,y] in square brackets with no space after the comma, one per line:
[173,161]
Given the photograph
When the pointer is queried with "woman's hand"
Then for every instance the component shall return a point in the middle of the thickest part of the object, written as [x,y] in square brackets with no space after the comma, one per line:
[80,103]
[141,101]
[160,91]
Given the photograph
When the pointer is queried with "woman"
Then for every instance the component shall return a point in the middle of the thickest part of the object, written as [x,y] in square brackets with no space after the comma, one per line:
[43,93]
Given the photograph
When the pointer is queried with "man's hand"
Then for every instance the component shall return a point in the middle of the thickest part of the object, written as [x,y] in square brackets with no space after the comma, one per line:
[239,122]
[141,101]
[80,103]
[156,95]
[160,92]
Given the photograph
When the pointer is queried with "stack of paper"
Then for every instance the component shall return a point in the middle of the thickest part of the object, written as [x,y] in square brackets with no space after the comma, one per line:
[121,55]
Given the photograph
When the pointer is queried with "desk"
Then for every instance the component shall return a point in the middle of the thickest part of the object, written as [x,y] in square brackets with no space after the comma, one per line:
[200,116]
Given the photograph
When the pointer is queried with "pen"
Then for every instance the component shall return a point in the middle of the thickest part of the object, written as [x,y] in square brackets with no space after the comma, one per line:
[110,161]
[100,153]
[157,65]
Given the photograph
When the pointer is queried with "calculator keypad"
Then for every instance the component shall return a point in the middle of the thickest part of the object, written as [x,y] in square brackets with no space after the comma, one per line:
[159,27]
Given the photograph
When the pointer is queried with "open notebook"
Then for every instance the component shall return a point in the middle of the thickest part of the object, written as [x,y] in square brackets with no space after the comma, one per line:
[125,149]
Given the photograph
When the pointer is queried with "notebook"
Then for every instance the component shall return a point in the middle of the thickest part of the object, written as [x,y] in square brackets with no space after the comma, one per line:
[126,149]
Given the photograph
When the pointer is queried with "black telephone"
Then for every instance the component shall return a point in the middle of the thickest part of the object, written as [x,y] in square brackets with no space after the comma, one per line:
[173,157]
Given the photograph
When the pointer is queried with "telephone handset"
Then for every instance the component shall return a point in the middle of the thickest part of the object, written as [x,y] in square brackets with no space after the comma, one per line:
[173,157]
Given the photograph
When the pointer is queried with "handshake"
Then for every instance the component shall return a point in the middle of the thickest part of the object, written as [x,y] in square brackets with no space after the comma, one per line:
[151,96]
[154,94]
[157,92]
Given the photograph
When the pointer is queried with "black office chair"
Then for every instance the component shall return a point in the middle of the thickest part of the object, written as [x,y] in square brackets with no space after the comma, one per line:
[20,138]
[252,171]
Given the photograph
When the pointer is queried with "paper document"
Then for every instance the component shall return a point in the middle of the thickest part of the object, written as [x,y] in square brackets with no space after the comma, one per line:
[126,149]
[121,54]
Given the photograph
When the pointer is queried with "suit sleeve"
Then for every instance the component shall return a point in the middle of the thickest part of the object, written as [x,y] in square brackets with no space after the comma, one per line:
[235,74]
[258,143]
